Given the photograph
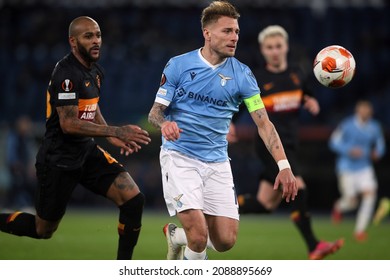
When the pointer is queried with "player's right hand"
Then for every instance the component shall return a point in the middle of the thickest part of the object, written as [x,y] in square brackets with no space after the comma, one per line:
[170,131]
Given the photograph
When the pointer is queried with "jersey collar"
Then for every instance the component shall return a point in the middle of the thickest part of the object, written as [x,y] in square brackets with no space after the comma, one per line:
[208,63]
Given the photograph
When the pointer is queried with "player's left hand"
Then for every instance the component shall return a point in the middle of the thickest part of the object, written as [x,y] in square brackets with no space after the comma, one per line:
[287,180]
[311,104]
[231,137]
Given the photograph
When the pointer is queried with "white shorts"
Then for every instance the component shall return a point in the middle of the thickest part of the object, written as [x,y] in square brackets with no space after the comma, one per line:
[354,183]
[189,183]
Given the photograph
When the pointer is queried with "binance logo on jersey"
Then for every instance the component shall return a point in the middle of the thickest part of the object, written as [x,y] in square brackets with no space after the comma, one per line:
[199,97]
[180,92]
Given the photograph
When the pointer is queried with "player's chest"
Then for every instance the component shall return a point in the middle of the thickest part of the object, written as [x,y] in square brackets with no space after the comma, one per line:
[361,135]
[276,84]
[89,86]
[207,83]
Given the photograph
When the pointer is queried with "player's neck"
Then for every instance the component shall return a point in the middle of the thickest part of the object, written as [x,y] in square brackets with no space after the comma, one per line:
[276,68]
[211,57]
[361,120]
[82,61]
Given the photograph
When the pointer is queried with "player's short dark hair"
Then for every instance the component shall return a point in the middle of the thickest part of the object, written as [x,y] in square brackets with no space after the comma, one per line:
[216,10]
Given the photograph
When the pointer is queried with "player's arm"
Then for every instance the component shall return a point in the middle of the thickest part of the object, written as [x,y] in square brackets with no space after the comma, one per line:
[126,148]
[379,148]
[311,104]
[169,130]
[337,143]
[71,124]
[272,141]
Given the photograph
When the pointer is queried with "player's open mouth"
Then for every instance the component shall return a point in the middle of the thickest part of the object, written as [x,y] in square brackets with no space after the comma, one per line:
[95,51]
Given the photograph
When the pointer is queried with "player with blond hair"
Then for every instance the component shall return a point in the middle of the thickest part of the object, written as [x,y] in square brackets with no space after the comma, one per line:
[284,93]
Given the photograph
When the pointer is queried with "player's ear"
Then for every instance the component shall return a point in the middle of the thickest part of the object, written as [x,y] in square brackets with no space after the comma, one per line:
[261,49]
[206,34]
[72,41]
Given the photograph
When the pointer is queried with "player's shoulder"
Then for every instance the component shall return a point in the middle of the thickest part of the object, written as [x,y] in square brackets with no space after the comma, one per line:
[180,61]
[99,69]
[66,67]
[349,120]
[294,68]
[237,63]
[183,58]
[376,124]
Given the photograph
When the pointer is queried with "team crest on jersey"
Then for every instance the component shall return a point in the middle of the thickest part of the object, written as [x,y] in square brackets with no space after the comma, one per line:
[67,85]
[224,79]
[268,86]
[98,80]
[178,202]
[294,77]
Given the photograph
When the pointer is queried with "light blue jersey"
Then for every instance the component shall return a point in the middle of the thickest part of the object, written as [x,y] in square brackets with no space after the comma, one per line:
[202,99]
[351,133]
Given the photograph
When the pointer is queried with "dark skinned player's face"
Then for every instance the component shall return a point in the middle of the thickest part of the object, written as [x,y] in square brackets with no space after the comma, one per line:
[88,42]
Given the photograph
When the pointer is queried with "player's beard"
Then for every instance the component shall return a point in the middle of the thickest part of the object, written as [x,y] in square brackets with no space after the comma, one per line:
[84,53]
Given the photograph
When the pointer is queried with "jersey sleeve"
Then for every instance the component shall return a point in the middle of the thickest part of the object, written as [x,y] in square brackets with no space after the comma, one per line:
[250,91]
[168,83]
[380,144]
[336,140]
[306,82]
[64,87]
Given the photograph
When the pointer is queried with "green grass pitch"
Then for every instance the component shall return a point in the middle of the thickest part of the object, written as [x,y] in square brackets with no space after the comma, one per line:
[91,235]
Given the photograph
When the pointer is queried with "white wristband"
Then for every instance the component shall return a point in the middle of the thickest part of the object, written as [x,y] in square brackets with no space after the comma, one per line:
[283,164]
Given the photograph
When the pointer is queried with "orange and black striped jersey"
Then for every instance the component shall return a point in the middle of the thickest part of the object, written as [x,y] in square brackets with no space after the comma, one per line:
[282,94]
[71,84]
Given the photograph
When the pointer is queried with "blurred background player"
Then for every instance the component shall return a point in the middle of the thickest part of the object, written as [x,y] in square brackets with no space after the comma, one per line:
[284,92]
[358,142]
[68,154]
[382,211]
[198,95]
[20,157]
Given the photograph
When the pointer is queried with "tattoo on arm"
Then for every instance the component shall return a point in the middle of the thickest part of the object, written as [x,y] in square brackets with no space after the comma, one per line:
[271,137]
[156,115]
[68,115]
[273,141]
[71,124]
[99,119]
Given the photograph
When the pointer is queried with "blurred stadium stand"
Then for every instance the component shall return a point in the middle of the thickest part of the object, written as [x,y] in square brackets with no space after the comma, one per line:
[140,36]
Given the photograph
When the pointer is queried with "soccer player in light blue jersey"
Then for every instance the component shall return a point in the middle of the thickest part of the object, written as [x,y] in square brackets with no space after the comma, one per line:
[357,141]
[198,95]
